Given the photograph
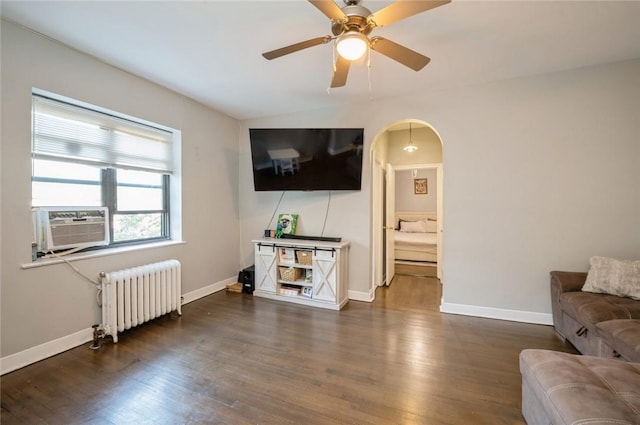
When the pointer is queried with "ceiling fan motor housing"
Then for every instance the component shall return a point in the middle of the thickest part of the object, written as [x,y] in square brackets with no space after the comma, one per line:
[356,20]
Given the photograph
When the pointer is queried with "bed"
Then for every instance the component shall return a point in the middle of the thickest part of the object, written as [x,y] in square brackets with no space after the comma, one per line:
[416,237]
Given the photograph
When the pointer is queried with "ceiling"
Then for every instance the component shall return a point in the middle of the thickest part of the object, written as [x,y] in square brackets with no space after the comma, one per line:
[211,50]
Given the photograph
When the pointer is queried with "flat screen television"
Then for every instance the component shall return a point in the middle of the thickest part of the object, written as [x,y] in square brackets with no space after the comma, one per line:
[306,158]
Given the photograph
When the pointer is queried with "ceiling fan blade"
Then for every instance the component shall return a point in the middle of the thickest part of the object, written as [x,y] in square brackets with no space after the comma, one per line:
[402,9]
[395,51]
[296,47]
[329,8]
[341,72]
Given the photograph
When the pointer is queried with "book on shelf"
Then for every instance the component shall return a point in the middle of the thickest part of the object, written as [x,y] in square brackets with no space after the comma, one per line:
[286,256]
[289,290]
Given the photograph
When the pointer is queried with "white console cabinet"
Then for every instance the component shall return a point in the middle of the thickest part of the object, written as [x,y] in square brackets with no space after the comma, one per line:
[312,273]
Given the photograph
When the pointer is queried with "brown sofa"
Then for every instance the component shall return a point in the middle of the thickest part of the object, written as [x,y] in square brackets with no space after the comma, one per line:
[562,389]
[595,324]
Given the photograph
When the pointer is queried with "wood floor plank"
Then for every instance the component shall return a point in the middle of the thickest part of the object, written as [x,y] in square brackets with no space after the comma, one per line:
[236,359]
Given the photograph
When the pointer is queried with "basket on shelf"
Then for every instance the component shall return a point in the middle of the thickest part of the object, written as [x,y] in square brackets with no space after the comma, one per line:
[304,257]
[290,274]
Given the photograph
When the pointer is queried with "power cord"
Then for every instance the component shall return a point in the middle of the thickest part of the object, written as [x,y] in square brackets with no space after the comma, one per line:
[276,210]
[61,255]
[326,214]
[52,254]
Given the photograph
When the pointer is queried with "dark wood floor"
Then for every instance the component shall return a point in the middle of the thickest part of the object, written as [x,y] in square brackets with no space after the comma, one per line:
[236,359]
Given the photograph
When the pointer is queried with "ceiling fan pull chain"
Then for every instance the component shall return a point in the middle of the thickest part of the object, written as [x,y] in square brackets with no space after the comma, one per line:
[369,74]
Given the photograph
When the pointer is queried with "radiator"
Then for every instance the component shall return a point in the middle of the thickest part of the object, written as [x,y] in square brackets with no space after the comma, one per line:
[134,296]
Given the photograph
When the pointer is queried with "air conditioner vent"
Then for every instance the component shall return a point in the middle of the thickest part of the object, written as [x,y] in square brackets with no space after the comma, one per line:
[65,228]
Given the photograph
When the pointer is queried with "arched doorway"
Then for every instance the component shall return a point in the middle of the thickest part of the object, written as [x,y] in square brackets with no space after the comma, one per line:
[389,157]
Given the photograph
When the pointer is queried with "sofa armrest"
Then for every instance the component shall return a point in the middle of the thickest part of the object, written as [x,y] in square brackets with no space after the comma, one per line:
[567,281]
[563,282]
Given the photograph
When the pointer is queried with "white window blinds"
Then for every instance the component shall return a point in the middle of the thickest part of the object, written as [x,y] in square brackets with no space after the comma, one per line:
[62,131]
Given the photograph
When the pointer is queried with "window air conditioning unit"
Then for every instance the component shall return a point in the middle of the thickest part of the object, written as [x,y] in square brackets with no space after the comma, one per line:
[70,227]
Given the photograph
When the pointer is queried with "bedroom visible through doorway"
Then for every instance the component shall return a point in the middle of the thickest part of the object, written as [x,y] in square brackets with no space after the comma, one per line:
[415,237]
[406,202]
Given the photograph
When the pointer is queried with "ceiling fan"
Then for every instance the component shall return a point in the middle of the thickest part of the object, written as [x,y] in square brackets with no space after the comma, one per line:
[351,26]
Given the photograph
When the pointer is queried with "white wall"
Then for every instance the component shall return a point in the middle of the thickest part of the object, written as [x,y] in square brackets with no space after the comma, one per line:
[46,303]
[540,173]
[406,198]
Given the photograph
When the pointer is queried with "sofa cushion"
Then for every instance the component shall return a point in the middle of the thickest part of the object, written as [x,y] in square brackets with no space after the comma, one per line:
[615,277]
[572,389]
[623,336]
[589,309]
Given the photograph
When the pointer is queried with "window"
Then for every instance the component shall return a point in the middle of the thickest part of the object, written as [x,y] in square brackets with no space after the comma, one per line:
[84,157]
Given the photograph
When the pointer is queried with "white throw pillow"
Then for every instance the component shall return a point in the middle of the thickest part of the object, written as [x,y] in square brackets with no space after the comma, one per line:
[413,226]
[614,277]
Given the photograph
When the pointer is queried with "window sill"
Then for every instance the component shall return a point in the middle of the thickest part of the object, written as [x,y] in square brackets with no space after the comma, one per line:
[100,253]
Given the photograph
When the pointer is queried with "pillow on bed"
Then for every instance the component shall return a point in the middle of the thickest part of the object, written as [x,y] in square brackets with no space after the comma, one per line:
[614,277]
[432,226]
[419,226]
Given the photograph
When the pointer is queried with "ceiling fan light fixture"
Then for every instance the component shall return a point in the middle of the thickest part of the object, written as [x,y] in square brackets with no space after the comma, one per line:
[352,45]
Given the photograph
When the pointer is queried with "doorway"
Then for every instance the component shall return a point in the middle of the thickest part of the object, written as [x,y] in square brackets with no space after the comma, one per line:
[389,160]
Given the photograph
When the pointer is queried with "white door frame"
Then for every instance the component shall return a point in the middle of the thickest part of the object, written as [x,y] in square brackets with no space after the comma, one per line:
[377,186]
[376,224]
[390,225]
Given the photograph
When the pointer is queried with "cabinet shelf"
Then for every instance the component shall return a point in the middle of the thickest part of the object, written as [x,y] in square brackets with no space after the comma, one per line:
[295,282]
[296,265]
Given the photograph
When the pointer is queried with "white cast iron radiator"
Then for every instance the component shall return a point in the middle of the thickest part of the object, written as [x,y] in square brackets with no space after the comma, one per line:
[133,296]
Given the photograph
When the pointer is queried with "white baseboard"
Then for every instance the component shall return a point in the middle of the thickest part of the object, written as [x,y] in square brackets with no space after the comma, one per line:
[476,311]
[361,296]
[497,313]
[40,352]
[207,290]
